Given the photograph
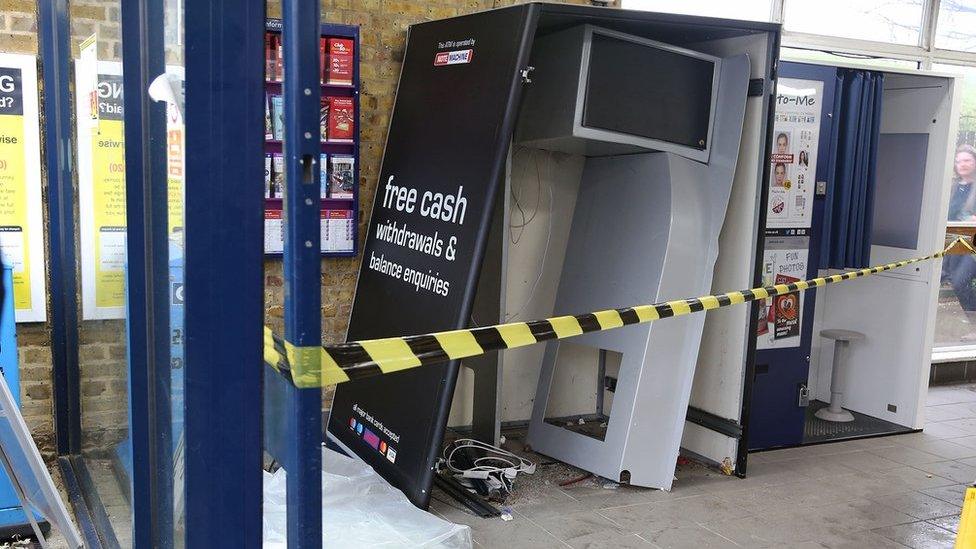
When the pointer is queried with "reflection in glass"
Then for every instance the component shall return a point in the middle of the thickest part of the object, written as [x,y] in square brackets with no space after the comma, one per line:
[891,21]
[956,315]
[750,10]
[957,19]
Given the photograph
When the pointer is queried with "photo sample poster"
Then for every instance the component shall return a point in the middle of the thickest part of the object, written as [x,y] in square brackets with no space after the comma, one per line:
[784,262]
[796,136]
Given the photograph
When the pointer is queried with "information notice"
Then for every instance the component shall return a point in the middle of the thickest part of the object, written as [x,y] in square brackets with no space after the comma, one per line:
[21,221]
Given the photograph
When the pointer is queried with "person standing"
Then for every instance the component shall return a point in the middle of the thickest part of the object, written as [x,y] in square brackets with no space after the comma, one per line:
[961,270]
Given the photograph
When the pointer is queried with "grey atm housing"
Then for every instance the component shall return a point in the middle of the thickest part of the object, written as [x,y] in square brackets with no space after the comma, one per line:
[552,116]
[645,229]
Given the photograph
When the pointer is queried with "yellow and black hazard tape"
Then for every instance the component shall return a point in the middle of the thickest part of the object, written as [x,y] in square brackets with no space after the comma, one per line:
[308,367]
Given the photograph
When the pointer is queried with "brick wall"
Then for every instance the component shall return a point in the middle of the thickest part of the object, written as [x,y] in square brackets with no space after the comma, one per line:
[102,344]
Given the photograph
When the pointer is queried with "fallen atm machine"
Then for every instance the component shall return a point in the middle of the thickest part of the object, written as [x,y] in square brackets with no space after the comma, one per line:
[592,158]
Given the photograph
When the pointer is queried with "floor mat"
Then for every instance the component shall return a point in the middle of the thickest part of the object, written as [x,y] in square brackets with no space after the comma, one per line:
[818,430]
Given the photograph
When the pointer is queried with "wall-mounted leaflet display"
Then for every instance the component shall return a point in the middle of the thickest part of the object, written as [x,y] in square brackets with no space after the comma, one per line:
[796,136]
[101,186]
[338,231]
[338,166]
[21,221]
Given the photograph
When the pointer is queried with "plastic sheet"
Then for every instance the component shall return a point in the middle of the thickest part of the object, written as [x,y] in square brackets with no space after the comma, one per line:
[360,509]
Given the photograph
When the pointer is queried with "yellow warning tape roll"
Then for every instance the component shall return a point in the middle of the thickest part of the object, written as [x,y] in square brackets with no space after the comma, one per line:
[316,367]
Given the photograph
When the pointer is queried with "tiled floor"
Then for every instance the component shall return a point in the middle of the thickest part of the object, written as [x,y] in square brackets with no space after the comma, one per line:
[899,491]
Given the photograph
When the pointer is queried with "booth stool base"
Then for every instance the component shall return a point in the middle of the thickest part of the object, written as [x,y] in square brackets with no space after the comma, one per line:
[827,415]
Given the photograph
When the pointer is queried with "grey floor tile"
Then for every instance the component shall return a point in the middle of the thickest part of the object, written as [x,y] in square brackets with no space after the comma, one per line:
[907,456]
[945,431]
[569,528]
[788,527]
[953,470]
[612,541]
[919,505]
[965,424]
[950,523]
[863,461]
[551,502]
[653,517]
[518,533]
[859,515]
[692,537]
[919,535]
[904,479]
[954,449]
[952,494]
[859,540]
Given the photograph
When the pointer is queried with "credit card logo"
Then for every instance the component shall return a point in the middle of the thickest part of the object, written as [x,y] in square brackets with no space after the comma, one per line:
[371,439]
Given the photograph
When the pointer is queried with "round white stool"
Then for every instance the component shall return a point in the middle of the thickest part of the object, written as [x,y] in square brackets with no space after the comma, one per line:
[842,341]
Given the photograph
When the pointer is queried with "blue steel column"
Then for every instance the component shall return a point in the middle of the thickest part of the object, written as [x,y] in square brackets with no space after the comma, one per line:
[302,265]
[224,272]
[147,276]
[63,285]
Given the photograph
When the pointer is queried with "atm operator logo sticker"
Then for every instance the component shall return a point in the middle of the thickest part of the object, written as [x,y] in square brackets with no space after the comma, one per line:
[456,57]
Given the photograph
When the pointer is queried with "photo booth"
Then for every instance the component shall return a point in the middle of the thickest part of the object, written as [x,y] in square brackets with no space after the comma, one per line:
[574,187]
[886,321]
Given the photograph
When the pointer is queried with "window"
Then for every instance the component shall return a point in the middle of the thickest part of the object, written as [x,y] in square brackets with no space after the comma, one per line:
[956,25]
[795,54]
[955,321]
[752,10]
[889,21]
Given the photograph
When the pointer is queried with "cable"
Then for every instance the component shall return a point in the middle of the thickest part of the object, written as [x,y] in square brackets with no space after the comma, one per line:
[542,265]
[497,467]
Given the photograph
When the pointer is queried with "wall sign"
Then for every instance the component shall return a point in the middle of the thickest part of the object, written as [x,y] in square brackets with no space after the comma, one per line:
[101,185]
[796,136]
[21,220]
[784,262]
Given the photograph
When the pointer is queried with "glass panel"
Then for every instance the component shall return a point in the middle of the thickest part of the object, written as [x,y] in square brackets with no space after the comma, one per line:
[794,54]
[96,41]
[751,10]
[955,26]
[891,21]
[955,321]
[173,94]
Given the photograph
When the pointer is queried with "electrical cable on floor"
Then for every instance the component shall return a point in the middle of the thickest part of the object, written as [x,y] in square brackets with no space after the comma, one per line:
[496,467]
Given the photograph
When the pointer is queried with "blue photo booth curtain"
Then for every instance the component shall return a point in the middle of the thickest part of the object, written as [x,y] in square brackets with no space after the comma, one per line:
[846,241]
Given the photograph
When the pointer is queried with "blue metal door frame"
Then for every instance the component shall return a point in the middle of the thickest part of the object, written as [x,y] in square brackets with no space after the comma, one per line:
[224,272]
[777,419]
[147,276]
[55,49]
[294,416]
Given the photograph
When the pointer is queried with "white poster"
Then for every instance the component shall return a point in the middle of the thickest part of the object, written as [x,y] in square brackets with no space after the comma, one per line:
[781,316]
[21,219]
[796,136]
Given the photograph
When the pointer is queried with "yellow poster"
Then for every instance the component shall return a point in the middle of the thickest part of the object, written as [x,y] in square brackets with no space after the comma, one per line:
[20,206]
[108,195]
[174,168]
[101,182]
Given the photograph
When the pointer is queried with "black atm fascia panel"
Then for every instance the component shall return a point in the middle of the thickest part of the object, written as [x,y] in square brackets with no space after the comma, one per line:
[450,133]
